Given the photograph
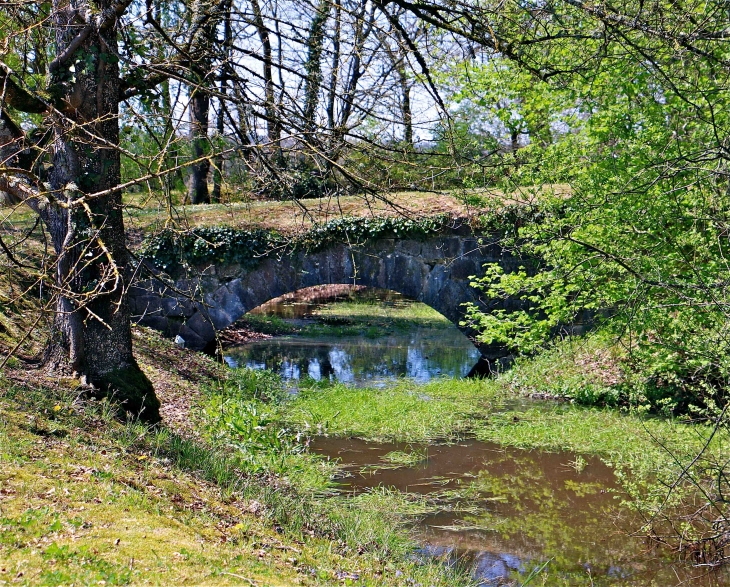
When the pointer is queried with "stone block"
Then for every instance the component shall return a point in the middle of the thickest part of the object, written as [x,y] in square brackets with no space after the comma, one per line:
[255,290]
[178,307]
[408,276]
[450,247]
[435,281]
[227,300]
[432,251]
[192,340]
[464,267]
[156,322]
[146,305]
[337,268]
[409,247]
[382,246]
[201,325]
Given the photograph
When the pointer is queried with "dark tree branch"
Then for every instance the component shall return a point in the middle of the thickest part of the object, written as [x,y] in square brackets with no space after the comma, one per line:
[17,96]
[105,20]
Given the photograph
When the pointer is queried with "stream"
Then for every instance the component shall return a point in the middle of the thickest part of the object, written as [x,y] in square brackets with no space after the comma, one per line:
[505,511]
[500,512]
[365,350]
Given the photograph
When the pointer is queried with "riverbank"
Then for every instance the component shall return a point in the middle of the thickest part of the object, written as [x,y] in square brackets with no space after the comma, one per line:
[85,498]
[226,492]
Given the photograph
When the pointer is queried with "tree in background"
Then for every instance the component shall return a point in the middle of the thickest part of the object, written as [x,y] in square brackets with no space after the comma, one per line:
[638,97]
[205,16]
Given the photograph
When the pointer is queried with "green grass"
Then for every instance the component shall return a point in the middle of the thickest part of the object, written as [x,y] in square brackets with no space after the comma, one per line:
[587,370]
[375,311]
[442,410]
[85,498]
[353,318]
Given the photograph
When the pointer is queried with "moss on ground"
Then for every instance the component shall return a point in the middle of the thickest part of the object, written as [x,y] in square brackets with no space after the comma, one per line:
[86,499]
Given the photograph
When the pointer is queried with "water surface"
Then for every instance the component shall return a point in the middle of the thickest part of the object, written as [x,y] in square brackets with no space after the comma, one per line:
[504,512]
[361,350]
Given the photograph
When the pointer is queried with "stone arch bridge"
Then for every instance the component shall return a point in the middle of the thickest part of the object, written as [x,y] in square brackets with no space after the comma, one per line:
[434,270]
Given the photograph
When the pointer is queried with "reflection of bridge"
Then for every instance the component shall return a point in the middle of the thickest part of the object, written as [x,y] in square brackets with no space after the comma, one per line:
[434,270]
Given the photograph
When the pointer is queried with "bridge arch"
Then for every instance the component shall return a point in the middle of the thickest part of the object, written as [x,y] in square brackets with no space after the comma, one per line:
[432,270]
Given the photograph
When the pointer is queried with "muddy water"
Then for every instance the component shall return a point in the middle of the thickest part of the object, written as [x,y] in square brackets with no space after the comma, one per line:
[504,512]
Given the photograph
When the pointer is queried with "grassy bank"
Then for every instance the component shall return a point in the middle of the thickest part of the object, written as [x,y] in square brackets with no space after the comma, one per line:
[85,498]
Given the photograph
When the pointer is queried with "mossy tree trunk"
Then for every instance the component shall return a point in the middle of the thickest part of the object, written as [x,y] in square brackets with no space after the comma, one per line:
[91,334]
[313,65]
[198,192]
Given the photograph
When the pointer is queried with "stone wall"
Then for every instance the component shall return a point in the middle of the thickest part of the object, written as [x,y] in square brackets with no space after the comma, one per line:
[434,271]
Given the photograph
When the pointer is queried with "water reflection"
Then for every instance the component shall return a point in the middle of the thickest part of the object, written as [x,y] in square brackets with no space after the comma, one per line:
[370,352]
[504,512]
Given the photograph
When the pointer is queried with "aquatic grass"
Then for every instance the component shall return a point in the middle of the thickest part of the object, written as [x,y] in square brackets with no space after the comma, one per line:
[377,519]
[615,436]
[405,412]
[453,409]
[410,458]
[269,324]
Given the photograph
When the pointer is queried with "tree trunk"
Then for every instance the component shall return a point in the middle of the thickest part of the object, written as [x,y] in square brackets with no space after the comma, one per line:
[91,333]
[198,183]
[175,179]
[313,65]
[204,21]
[405,107]
[220,122]
[335,71]
[272,122]
[363,28]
